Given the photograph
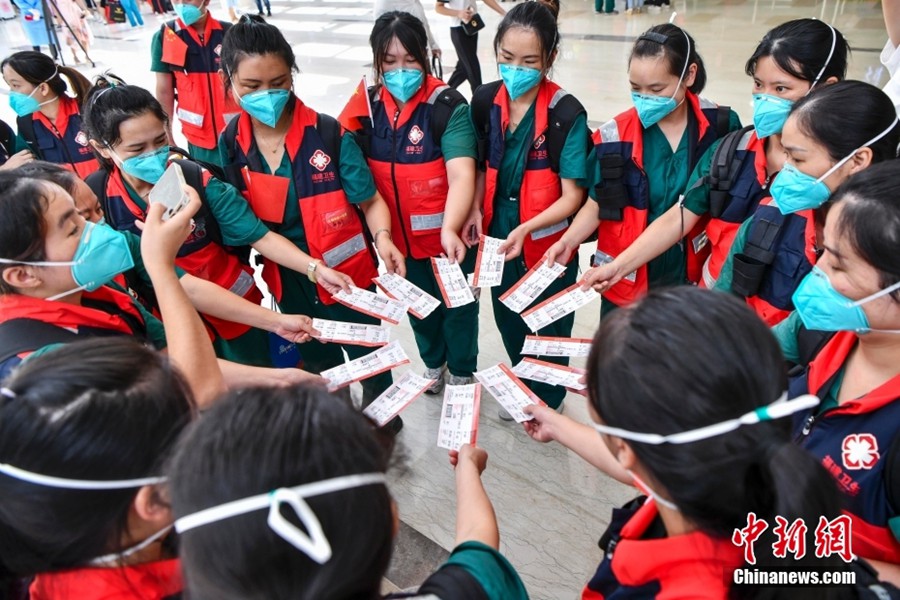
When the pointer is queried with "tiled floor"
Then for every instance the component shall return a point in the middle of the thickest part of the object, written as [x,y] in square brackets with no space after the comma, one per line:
[551,506]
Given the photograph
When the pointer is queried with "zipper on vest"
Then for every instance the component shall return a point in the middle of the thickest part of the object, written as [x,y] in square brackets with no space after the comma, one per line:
[394,180]
[808,424]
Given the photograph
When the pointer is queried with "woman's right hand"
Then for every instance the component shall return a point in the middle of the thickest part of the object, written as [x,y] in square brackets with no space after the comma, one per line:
[465,14]
[560,252]
[333,281]
[602,278]
[161,240]
[542,427]
[22,157]
[468,452]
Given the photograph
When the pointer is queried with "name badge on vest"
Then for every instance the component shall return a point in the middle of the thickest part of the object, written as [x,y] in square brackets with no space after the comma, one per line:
[602,258]
[268,194]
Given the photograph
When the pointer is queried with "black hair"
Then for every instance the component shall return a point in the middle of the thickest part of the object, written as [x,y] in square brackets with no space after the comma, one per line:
[252,36]
[101,409]
[683,358]
[258,440]
[37,68]
[537,17]
[23,202]
[677,46]
[110,103]
[800,48]
[870,218]
[406,28]
[844,116]
[52,172]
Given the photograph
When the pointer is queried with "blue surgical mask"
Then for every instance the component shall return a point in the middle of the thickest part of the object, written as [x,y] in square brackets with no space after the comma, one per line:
[26,104]
[769,114]
[265,106]
[102,254]
[794,190]
[188,13]
[403,83]
[652,109]
[148,166]
[519,80]
[823,308]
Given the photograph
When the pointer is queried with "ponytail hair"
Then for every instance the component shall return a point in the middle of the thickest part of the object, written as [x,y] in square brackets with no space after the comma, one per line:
[37,68]
[684,358]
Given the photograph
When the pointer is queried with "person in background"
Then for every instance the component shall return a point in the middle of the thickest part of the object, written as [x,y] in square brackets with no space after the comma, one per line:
[413,7]
[468,68]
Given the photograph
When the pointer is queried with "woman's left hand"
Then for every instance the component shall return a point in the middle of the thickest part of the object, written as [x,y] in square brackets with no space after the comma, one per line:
[512,247]
[392,257]
[453,246]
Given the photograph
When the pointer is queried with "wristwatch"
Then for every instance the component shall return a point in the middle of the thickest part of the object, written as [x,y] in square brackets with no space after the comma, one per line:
[311,270]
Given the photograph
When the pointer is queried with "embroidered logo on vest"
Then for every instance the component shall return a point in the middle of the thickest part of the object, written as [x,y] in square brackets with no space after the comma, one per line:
[539,142]
[336,219]
[81,138]
[320,160]
[415,134]
[859,451]
[218,50]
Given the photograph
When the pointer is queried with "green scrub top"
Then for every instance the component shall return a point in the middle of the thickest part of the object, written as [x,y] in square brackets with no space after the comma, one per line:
[723,283]
[356,180]
[459,139]
[237,223]
[786,333]
[491,569]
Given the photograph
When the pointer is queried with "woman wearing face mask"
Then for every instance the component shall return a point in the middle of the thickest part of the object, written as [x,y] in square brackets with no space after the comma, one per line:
[832,133]
[532,179]
[334,542]
[644,158]
[49,120]
[185,58]
[307,179]
[789,61]
[128,130]
[420,146]
[707,461]
[852,290]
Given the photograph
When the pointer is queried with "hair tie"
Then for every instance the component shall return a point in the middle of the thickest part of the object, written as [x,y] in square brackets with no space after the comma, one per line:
[655,37]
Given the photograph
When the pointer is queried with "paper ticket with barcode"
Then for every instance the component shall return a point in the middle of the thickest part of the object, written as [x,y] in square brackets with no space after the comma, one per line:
[489,263]
[419,302]
[526,290]
[354,334]
[383,359]
[452,283]
[550,373]
[508,390]
[537,345]
[397,397]
[370,303]
[459,416]
[556,307]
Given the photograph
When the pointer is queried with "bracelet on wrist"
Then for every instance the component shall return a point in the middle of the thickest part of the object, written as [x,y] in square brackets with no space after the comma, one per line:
[379,232]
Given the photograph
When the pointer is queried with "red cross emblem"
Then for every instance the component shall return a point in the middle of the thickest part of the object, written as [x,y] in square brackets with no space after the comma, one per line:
[859,451]
[218,50]
[415,134]
[539,142]
[81,138]
[320,160]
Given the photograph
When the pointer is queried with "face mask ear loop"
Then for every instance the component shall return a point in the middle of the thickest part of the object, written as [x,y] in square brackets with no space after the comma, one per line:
[877,294]
[687,62]
[827,60]
[852,154]
[314,544]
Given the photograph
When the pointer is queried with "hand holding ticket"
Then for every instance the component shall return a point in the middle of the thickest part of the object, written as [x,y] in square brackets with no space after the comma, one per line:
[508,390]
[459,416]
[370,303]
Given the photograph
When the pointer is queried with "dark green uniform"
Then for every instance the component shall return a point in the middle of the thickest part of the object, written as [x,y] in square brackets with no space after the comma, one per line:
[573,165]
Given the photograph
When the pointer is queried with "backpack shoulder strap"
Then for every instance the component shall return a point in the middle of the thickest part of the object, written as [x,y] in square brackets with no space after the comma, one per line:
[724,169]
[98,181]
[7,139]
[750,266]
[330,131]
[25,127]
[24,335]
[444,101]
[564,110]
[480,106]
[723,121]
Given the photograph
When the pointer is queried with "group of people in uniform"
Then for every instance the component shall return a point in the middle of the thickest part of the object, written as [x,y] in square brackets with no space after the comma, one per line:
[146,391]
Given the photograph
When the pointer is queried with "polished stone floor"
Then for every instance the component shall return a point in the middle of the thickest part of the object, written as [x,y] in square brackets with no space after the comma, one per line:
[551,507]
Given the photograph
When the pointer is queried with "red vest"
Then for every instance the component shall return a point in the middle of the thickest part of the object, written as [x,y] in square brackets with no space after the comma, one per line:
[200,255]
[203,106]
[409,168]
[722,231]
[541,187]
[854,441]
[693,565]
[63,142]
[149,581]
[625,135]
[334,228]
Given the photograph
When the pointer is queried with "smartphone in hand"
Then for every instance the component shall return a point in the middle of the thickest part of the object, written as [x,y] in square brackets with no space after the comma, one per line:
[169,191]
